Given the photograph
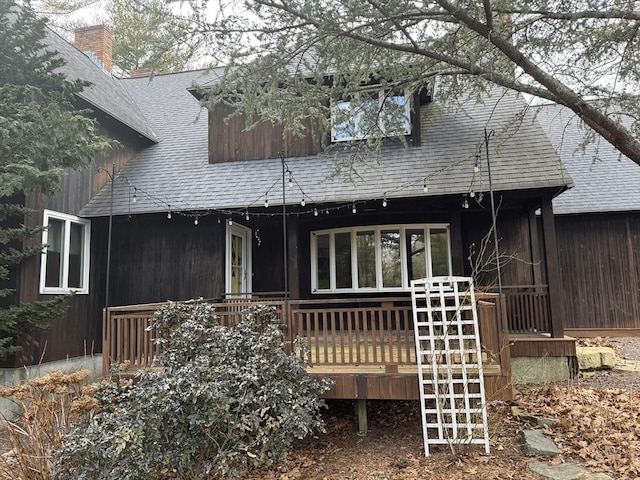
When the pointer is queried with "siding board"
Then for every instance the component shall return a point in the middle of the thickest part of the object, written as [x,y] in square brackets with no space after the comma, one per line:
[600,269]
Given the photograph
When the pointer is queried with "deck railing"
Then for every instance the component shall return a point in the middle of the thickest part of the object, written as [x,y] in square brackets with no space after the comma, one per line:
[527,308]
[338,332]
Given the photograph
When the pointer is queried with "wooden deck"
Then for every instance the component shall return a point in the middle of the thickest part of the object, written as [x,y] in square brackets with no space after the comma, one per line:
[365,346]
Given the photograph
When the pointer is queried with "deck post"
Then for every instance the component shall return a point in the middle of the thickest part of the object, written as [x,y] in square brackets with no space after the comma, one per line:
[552,263]
[361,410]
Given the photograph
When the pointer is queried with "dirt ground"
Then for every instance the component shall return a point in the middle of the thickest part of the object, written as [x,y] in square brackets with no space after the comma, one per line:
[597,426]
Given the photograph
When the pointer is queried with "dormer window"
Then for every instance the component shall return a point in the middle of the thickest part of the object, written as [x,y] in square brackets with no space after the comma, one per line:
[379,112]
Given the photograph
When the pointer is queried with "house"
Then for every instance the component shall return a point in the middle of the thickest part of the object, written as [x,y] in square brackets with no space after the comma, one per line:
[598,231]
[198,206]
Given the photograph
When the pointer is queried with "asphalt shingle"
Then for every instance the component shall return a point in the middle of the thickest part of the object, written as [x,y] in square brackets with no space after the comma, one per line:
[605,180]
[175,173]
[106,93]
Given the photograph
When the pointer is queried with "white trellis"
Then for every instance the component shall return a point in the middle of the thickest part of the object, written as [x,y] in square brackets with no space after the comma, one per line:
[449,358]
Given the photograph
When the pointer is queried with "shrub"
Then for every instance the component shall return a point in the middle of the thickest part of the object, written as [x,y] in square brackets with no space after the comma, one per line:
[50,404]
[224,397]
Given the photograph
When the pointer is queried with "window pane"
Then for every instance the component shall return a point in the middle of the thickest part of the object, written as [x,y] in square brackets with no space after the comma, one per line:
[55,241]
[417,262]
[343,260]
[391,274]
[366,248]
[439,238]
[76,257]
[396,118]
[322,268]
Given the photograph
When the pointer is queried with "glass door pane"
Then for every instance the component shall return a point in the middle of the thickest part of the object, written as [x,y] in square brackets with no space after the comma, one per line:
[439,240]
[366,249]
[391,262]
[416,254]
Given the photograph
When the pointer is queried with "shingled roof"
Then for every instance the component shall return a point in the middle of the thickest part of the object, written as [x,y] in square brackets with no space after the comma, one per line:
[106,93]
[605,180]
[176,174]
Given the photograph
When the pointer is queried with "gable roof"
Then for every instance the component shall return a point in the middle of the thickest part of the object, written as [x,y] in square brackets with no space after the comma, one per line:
[175,173]
[605,180]
[105,93]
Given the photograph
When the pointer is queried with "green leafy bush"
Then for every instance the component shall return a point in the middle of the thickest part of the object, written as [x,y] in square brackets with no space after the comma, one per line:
[224,397]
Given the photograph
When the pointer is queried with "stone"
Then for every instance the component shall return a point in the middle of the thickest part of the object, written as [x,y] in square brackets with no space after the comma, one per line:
[536,443]
[546,421]
[628,366]
[524,417]
[595,358]
[539,370]
[564,471]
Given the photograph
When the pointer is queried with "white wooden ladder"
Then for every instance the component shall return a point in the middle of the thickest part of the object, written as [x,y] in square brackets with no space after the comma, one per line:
[449,358]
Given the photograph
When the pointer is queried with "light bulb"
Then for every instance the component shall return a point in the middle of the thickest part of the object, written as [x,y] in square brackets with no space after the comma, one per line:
[384,202]
[290,181]
[266,202]
[465,204]
[315,212]
[195,222]
[246,215]
[169,215]
[472,194]
[230,222]
[302,202]
[134,199]
[353,209]
[425,189]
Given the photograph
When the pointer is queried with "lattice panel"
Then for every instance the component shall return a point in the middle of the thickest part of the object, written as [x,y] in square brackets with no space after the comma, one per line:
[449,359]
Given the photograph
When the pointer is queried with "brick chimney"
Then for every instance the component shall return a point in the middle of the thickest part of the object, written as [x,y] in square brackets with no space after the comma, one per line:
[97,43]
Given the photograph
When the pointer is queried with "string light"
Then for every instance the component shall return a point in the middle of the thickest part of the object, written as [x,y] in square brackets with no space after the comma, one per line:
[315,212]
[476,166]
[353,208]
[134,199]
[169,215]
[230,222]
[425,189]
[472,194]
[266,201]
[384,200]
[302,202]
[246,215]
[290,180]
[465,204]
[195,222]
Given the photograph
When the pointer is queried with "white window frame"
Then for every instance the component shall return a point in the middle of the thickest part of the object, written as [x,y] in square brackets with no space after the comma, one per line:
[377,229]
[246,234]
[86,251]
[382,95]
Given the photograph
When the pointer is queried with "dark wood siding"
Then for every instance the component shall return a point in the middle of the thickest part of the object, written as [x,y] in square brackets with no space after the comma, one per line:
[514,246]
[79,331]
[229,139]
[600,269]
[155,259]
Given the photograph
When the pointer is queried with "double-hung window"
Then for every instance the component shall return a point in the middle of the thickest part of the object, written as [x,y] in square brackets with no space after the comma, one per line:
[383,112]
[65,258]
[378,258]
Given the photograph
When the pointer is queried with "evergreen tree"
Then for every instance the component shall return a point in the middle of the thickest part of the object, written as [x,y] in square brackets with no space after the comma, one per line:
[42,134]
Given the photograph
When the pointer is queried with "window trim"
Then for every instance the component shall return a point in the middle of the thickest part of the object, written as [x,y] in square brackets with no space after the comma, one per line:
[404,273]
[86,253]
[382,95]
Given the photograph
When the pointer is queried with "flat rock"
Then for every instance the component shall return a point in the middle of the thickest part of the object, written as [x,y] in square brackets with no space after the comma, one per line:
[594,358]
[564,471]
[628,366]
[536,443]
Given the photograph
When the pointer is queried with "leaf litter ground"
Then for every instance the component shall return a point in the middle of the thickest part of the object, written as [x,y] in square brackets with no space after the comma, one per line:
[597,428]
